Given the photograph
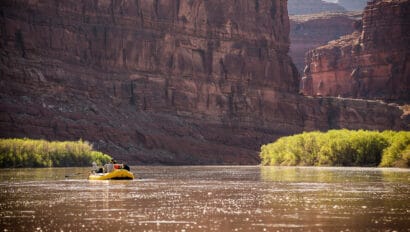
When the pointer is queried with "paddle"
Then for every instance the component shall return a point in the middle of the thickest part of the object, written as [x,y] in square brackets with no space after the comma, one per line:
[75,174]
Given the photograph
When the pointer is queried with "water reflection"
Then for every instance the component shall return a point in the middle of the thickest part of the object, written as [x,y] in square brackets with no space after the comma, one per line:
[207,199]
[331,197]
[43,174]
[332,174]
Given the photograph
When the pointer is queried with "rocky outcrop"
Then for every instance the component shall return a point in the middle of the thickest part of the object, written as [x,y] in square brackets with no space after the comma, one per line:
[372,63]
[298,7]
[353,5]
[176,82]
[311,31]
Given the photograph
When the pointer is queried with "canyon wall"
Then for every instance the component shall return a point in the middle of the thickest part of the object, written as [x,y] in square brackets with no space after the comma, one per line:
[371,63]
[175,82]
[300,7]
[353,5]
[150,81]
[311,31]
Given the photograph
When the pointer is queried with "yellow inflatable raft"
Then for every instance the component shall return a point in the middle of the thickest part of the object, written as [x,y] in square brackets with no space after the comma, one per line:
[117,174]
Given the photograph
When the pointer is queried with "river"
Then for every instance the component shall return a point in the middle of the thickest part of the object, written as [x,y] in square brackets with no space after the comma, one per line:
[207,198]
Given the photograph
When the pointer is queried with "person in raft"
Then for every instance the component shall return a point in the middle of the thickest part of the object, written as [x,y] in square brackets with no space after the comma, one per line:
[125,166]
[109,167]
[97,169]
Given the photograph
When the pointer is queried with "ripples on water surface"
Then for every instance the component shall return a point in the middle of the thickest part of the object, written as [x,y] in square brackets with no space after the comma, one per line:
[207,198]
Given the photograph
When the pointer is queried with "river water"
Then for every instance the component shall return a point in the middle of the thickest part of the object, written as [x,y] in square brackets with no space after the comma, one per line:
[207,198]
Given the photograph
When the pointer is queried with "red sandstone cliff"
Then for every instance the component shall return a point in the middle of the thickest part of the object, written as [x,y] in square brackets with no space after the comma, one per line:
[151,81]
[177,82]
[311,31]
[372,64]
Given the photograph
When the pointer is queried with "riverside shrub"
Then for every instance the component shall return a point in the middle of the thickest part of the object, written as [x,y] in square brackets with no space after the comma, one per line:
[42,153]
[340,148]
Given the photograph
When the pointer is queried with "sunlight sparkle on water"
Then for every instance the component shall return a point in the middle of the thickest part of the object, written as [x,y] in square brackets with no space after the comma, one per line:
[210,199]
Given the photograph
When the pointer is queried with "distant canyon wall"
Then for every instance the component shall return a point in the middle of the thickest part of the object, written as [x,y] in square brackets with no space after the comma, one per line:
[371,63]
[353,5]
[301,7]
[314,30]
[162,82]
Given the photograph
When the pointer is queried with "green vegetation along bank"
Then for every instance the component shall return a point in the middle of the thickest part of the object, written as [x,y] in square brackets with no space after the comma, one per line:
[340,148]
[42,153]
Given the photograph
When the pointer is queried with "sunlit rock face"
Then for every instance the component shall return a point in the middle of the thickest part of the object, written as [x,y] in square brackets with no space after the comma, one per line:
[300,7]
[371,63]
[175,82]
[311,31]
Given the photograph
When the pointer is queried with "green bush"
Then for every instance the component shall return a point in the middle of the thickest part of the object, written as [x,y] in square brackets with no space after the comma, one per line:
[398,153]
[42,153]
[340,148]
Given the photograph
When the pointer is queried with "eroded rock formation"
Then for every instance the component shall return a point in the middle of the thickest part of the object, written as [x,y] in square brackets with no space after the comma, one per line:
[372,63]
[311,31]
[176,82]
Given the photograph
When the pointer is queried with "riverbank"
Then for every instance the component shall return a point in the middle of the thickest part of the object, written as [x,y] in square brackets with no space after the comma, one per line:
[340,148]
[41,153]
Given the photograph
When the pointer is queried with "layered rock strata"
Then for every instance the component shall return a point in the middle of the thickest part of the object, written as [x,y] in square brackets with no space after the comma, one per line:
[372,63]
[311,31]
[175,82]
[150,81]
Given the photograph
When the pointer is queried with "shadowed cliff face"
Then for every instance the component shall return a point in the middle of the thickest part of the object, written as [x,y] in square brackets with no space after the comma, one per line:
[160,81]
[177,82]
[371,63]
